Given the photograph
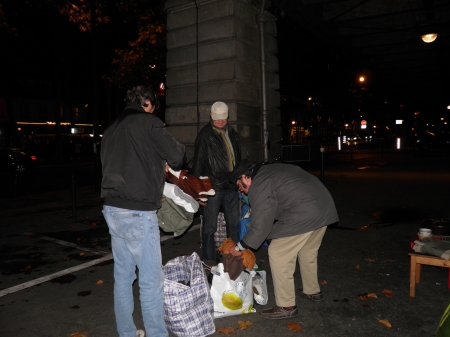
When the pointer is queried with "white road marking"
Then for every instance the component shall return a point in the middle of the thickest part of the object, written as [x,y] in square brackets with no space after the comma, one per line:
[65,243]
[54,275]
[106,257]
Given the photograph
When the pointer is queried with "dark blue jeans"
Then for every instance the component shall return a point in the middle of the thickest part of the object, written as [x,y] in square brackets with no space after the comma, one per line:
[230,204]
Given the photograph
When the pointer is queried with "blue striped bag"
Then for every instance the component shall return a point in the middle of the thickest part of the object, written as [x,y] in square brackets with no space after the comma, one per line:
[188,306]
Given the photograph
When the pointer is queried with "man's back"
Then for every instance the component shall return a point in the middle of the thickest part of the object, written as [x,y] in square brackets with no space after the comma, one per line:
[295,198]
[135,148]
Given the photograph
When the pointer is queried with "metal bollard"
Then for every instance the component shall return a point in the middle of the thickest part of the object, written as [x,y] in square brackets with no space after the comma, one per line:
[321,159]
[74,210]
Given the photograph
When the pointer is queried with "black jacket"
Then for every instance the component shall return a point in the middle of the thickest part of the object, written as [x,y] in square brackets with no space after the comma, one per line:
[134,151]
[210,157]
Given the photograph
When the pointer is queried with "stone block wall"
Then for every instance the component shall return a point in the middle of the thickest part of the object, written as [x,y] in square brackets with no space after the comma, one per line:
[219,40]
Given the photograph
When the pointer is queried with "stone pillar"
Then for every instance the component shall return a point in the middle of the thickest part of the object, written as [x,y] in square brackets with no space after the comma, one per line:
[213,54]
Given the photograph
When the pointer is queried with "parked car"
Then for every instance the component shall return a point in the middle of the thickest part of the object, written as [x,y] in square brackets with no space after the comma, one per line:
[431,142]
[16,160]
[352,140]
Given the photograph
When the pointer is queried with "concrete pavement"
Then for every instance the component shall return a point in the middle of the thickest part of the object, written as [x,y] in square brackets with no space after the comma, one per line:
[381,202]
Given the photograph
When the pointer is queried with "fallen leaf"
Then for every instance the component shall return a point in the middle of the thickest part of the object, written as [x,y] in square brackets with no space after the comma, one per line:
[99,282]
[244,325]
[27,268]
[388,293]
[66,258]
[370,260]
[93,224]
[357,266]
[82,254]
[31,234]
[372,295]
[77,334]
[362,297]
[323,282]
[385,322]
[294,326]
[75,307]
[365,306]
[226,331]
[84,293]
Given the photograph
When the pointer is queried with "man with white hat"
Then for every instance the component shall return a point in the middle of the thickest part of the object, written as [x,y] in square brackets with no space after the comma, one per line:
[217,152]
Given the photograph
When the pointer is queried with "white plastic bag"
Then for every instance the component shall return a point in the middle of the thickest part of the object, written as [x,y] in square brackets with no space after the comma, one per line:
[260,293]
[231,297]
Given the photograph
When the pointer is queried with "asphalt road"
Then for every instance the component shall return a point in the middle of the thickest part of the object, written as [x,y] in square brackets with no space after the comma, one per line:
[50,272]
[47,177]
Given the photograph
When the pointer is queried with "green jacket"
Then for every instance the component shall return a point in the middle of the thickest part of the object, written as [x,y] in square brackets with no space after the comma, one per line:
[174,218]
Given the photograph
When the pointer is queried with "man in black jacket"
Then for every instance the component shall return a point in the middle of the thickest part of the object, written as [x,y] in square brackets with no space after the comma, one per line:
[135,150]
[217,152]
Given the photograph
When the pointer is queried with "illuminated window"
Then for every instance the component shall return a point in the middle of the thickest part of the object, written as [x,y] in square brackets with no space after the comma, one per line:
[76,114]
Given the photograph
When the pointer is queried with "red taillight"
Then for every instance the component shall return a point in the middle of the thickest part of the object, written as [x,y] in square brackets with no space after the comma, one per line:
[33,158]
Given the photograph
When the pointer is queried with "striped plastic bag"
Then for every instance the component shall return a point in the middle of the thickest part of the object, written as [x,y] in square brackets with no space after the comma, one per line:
[188,306]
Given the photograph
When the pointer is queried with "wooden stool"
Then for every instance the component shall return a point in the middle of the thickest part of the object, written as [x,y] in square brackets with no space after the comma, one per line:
[417,260]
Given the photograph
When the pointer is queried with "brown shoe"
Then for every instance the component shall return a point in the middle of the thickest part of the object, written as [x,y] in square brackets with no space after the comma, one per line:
[315,297]
[278,313]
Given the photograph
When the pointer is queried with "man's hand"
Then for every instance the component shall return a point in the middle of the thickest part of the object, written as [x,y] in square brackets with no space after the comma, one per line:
[234,252]
[202,203]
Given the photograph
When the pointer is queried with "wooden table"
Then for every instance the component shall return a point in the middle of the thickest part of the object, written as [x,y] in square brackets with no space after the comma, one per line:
[417,260]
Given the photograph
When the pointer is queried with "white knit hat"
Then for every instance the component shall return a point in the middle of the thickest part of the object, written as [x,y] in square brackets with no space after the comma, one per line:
[219,110]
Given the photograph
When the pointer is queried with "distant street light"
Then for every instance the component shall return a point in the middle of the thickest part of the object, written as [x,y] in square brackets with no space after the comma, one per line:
[362,79]
[428,38]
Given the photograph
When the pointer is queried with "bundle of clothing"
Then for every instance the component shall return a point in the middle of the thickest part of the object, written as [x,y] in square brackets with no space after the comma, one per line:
[234,265]
[429,246]
[197,187]
[181,194]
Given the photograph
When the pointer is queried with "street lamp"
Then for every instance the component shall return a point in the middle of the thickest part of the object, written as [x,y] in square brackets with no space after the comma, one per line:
[428,38]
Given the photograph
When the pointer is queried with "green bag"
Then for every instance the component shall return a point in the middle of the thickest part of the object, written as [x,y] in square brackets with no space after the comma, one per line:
[444,325]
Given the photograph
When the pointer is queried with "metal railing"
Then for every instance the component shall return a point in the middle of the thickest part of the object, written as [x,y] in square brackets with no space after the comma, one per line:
[295,153]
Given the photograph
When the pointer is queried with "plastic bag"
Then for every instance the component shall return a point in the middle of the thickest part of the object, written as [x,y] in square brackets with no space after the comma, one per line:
[188,306]
[231,297]
[259,285]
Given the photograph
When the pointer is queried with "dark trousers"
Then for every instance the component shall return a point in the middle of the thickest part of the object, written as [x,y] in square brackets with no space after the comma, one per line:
[230,205]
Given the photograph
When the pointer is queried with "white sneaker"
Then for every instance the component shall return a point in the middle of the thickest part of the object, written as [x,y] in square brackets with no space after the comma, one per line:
[140,333]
